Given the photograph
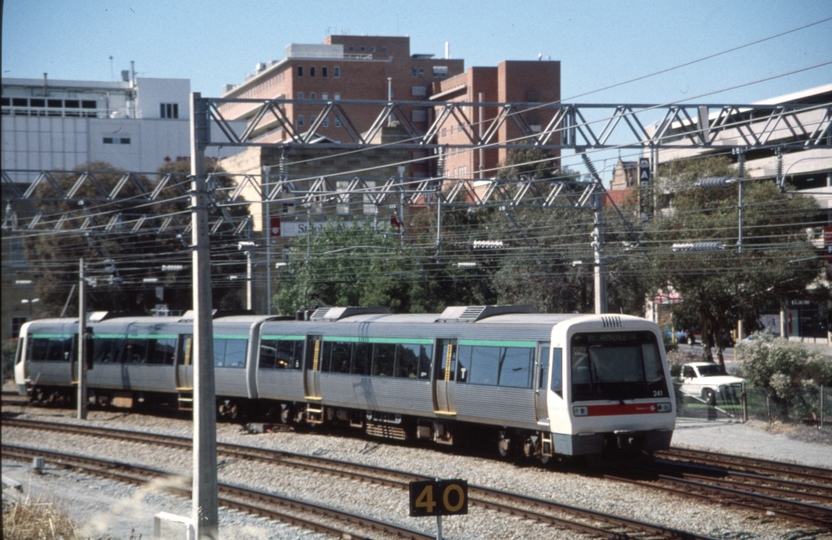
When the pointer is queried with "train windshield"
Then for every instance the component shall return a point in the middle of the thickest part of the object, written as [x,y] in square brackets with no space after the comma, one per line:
[616,366]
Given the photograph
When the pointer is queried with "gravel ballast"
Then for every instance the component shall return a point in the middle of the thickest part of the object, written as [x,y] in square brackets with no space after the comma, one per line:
[104,509]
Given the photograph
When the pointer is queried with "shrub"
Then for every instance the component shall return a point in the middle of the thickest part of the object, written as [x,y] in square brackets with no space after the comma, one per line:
[787,371]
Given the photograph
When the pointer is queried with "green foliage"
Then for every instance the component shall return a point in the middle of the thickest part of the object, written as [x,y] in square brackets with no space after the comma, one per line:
[785,370]
[54,256]
[776,262]
[347,266]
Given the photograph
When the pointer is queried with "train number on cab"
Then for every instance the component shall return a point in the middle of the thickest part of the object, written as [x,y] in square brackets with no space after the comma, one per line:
[438,498]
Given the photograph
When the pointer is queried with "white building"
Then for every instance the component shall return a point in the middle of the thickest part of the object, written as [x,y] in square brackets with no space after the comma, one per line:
[135,125]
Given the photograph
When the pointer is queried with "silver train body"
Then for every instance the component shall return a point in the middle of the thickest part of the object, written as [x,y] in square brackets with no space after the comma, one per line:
[542,385]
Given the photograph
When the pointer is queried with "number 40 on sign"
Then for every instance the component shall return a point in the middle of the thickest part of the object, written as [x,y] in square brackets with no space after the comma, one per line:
[438,498]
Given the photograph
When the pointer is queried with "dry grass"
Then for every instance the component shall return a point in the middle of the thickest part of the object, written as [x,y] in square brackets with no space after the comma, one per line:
[36,519]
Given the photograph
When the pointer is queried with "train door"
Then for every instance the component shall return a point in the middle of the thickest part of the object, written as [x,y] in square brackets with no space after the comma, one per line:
[542,383]
[312,367]
[444,366]
[184,363]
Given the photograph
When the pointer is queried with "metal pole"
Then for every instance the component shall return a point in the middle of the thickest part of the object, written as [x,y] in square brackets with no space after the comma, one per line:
[741,156]
[600,267]
[205,512]
[249,284]
[438,527]
[82,342]
[268,228]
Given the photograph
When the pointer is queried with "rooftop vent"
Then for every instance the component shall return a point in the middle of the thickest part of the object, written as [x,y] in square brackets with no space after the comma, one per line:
[477,313]
[337,313]
[612,321]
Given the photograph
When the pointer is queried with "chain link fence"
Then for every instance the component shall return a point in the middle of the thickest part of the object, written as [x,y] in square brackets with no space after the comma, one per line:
[739,402]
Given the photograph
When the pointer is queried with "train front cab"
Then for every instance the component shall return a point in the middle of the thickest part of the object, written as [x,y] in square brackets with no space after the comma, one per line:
[610,393]
[46,360]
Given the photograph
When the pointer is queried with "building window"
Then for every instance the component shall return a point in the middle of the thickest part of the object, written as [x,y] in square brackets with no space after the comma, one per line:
[440,72]
[312,119]
[352,49]
[336,72]
[326,122]
[17,256]
[301,121]
[337,96]
[384,49]
[116,140]
[168,110]
[324,71]
[414,72]
[300,71]
[312,71]
[342,206]
[372,49]
[324,95]
[363,49]
[313,95]
[422,72]
[337,122]
[300,95]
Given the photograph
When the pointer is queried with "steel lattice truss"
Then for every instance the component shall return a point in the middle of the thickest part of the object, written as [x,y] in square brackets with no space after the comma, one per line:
[590,126]
[108,211]
[580,127]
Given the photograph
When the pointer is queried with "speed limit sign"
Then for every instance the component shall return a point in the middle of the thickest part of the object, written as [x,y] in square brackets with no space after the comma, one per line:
[438,498]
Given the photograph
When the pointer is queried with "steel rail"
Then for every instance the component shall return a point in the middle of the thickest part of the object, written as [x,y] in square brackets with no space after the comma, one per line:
[532,508]
[231,496]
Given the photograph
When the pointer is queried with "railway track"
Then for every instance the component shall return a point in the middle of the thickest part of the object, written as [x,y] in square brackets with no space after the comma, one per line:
[564,517]
[318,518]
[789,491]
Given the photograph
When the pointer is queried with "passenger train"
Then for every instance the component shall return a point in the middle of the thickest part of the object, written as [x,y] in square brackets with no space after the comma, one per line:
[539,385]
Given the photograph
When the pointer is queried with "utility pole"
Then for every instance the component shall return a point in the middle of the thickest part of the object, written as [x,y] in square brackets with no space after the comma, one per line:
[205,513]
[83,343]
[268,228]
[600,266]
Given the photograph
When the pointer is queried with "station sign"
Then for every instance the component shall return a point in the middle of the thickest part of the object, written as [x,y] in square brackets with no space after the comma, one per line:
[438,498]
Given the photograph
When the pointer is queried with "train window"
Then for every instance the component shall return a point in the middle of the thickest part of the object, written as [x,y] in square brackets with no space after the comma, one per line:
[106,351]
[362,359]
[235,353]
[447,360]
[219,352]
[425,354]
[326,355]
[161,351]
[515,367]
[407,360]
[542,381]
[135,351]
[463,370]
[289,354]
[186,344]
[268,355]
[485,364]
[557,371]
[384,355]
[617,366]
[50,349]
[341,358]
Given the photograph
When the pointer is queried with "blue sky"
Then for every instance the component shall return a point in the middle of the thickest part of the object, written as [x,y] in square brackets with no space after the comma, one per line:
[599,43]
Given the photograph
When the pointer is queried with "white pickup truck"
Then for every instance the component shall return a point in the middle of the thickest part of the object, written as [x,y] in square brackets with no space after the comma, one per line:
[710,383]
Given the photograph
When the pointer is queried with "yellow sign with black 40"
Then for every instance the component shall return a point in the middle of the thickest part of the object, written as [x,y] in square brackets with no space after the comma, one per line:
[438,498]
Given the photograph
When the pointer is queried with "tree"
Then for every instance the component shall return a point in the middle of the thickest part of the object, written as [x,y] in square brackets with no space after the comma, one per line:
[785,370]
[776,262]
[347,266]
[119,257]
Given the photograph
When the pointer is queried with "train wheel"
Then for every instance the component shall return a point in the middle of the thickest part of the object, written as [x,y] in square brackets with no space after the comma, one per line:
[285,414]
[228,409]
[504,445]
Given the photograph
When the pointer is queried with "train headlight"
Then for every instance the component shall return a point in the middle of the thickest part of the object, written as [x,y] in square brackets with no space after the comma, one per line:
[580,411]
[663,407]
